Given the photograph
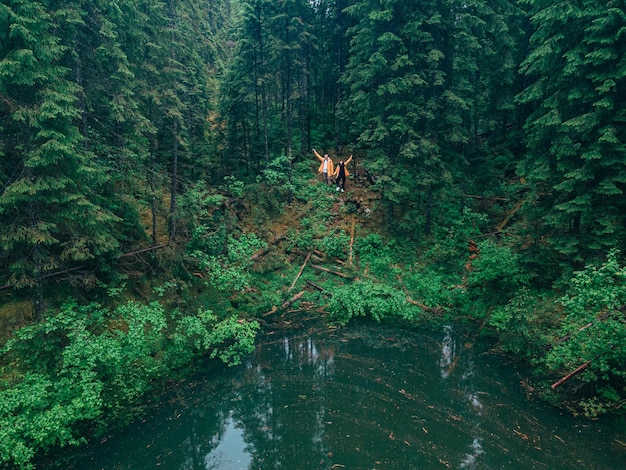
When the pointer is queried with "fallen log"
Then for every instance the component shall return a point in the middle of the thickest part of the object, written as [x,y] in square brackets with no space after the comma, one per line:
[308,257]
[578,370]
[512,212]
[351,241]
[143,250]
[326,270]
[273,310]
[426,308]
[570,375]
[315,286]
[285,304]
[293,300]
[262,252]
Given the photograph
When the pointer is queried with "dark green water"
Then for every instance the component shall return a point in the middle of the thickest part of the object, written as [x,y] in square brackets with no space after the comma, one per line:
[360,398]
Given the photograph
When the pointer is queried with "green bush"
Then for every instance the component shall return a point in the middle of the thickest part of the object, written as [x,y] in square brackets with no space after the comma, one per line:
[229,271]
[86,366]
[496,274]
[370,299]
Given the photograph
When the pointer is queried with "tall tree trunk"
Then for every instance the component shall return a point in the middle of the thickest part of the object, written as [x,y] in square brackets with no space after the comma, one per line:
[429,211]
[174,185]
[39,304]
[152,183]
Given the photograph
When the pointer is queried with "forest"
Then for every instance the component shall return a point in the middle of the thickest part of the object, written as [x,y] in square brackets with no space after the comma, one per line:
[160,201]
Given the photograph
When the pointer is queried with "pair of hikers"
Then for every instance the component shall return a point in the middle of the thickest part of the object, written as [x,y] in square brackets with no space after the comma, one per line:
[328,169]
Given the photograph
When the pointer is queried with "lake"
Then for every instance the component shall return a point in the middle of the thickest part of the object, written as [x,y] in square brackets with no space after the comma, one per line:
[360,397]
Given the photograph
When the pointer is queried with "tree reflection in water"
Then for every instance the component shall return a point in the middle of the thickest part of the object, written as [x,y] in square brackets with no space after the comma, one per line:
[359,398]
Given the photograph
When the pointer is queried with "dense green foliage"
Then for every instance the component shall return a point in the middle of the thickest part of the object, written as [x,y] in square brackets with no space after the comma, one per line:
[162,149]
[86,365]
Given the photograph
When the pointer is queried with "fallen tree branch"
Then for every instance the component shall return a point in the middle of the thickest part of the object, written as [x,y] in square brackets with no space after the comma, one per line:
[426,308]
[491,198]
[293,300]
[578,370]
[326,270]
[47,275]
[570,375]
[351,240]
[262,252]
[315,286]
[301,269]
[273,310]
[512,212]
[143,250]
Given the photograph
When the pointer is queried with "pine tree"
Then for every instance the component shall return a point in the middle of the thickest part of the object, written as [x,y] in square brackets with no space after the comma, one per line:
[48,218]
[575,133]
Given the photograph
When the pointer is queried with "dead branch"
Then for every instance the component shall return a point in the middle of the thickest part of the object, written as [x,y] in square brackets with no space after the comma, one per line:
[513,211]
[319,288]
[351,240]
[426,308]
[570,375]
[301,269]
[491,198]
[326,270]
[143,250]
[293,300]
[273,310]
[259,254]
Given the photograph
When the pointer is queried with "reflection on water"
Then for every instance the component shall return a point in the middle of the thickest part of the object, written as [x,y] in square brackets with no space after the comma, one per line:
[228,450]
[448,352]
[359,398]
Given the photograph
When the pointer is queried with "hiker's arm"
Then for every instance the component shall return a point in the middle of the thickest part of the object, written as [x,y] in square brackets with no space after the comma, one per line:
[319,157]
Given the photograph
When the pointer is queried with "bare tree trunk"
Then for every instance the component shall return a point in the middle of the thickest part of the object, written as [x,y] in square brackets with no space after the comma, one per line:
[174,185]
[151,182]
[39,304]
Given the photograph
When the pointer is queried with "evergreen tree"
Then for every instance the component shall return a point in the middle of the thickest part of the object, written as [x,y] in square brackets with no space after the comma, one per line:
[576,156]
[48,217]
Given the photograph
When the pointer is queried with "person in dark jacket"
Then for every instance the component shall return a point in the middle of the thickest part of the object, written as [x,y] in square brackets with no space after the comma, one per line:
[341,173]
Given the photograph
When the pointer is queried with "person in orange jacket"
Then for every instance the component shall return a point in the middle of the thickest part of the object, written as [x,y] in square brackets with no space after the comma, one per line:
[326,167]
[341,172]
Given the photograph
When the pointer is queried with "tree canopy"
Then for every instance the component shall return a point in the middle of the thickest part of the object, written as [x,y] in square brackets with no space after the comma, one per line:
[147,142]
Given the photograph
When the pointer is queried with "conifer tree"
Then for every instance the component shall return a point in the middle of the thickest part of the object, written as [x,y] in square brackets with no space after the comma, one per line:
[48,217]
[575,132]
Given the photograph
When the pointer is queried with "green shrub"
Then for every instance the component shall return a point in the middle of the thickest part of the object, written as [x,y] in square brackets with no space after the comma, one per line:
[369,299]
[86,366]
[229,271]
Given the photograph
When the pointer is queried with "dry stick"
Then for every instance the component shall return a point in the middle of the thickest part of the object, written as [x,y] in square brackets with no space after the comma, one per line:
[285,304]
[318,288]
[493,198]
[259,254]
[426,308]
[601,317]
[570,375]
[326,270]
[315,286]
[577,371]
[516,207]
[293,300]
[300,272]
[274,309]
[409,299]
[143,250]
[351,240]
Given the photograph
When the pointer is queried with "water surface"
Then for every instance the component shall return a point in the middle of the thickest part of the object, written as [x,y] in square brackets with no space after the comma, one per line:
[360,398]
